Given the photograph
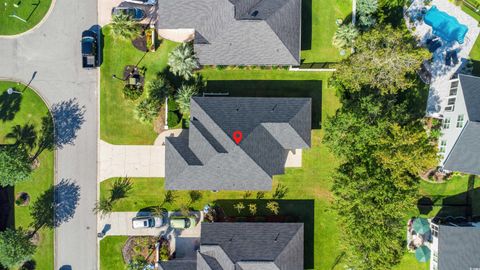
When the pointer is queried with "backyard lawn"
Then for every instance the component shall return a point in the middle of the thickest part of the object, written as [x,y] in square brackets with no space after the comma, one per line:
[318,27]
[29,13]
[21,109]
[118,124]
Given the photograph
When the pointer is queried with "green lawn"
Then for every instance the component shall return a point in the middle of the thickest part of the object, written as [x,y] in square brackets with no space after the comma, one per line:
[32,11]
[19,110]
[318,27]
[110,252]
[117,122]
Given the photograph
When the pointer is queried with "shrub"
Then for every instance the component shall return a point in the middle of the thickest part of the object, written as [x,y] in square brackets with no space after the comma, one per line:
[345,36]
[172,104]
[172,119]
[147,110]
[164,251]
[132,92]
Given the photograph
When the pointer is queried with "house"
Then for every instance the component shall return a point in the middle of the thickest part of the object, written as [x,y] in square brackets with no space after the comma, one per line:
[210,159]
[460,140]
[246,246]
[455,246]
[237,32]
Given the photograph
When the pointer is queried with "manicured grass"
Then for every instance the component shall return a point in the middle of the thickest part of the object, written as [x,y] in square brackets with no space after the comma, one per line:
[118,124]
[21,109]
[110,252]
[318,27]
[32,11]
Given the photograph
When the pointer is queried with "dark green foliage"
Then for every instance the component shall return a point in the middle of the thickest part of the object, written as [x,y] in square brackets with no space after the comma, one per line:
[260,195]
[385,59]
[280,192]
[137,263]
[25,136]
[147,110]
[15,247]
[172,105]
[195,196]
[132,92]
[15,165]
[170,197]
[103,207]
[172,119]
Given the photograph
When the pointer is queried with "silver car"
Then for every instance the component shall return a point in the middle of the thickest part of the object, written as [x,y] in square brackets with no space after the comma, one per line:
[143,2]
[147,222]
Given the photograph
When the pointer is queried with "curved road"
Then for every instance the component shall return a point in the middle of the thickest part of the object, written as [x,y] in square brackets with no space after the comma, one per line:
[53,51]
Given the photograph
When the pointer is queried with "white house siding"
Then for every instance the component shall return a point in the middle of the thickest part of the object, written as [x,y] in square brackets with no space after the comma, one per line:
[451,134]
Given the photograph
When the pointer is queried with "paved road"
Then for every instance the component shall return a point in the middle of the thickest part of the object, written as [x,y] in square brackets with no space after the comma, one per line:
[53,51]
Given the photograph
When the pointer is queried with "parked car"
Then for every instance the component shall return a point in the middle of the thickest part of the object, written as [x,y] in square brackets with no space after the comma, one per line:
[143,2]
[89,49]
[147,222]
[136,14]
[182,222]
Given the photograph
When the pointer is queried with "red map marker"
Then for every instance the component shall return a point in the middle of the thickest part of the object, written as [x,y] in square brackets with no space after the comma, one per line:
[237,136]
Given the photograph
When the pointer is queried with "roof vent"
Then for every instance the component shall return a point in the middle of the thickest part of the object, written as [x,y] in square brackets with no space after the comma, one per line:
[274,107]
[254,14]
[276,238]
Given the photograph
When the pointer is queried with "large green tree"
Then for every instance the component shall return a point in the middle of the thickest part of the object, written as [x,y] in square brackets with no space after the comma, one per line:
[183,96]
[182,61]
[385,58]
[15,165]
[15,247]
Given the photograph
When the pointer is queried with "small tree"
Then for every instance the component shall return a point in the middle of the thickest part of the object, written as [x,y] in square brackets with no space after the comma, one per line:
[15,165]
[147,110]
[195,196]
[170,197]
[239,207]
[252,208]
[137,263]
[103,207]
[120,188]
[280,192]
[182,61]
[15,247]
[124,27]
[345,36]
[185,92]
[164,251]
[159,89]
[273,207]
[260,195]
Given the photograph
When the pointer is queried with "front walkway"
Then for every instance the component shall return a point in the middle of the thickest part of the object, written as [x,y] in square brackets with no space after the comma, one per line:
[133,160]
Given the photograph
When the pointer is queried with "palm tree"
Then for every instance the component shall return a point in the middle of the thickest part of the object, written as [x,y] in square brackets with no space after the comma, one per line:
[24,136]
[182,61]
[124,27]
[120,189]
[345,36]
[103,207]
[183,98]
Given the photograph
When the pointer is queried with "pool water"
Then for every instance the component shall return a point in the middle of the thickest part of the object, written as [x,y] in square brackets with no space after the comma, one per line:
[445,26]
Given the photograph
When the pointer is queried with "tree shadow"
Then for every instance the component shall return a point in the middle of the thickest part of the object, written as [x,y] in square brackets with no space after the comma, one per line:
[276,88]
[24,136]
[55,206]
[306,25]
[425,205]
[46,140]
[68,119]
[9,105]
[7,209]
[392,11]
[464,206]
[301,211]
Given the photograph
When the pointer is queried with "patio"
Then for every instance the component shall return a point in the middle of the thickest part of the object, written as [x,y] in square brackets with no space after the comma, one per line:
[440,72]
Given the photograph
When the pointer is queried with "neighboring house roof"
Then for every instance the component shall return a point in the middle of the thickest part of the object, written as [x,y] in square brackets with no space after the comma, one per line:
[463,156]
[248,246]
[458,247]
[178,265]
[238,32]
[209,159]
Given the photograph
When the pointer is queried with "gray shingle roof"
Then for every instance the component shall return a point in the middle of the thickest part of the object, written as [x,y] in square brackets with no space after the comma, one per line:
[458,248]
[246,244]
[465,155]
[209,159]
[238,32]
[471,92]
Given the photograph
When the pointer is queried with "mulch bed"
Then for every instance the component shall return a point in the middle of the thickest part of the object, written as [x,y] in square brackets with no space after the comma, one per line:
[140,43]
[139,246]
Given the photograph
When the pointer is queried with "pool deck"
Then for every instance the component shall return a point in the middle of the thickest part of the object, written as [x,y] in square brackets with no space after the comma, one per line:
[441,73]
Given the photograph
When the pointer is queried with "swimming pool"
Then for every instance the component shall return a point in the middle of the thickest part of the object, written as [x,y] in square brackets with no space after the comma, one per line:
[445,26]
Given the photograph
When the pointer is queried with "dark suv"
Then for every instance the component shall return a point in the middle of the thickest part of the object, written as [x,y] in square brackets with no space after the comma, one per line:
[89,49]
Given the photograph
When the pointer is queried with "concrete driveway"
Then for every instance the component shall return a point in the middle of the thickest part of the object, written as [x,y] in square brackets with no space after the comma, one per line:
[52,50]
[133,160]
